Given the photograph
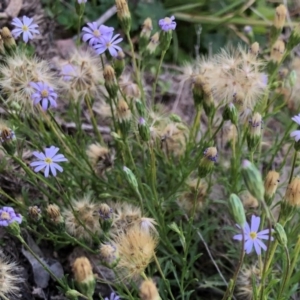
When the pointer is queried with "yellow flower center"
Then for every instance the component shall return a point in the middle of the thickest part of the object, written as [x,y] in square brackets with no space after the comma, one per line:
[44,93]
[25,28]
[108,44]
[96,33]
[5,216]
[48,160]
[253,235]
[168,20]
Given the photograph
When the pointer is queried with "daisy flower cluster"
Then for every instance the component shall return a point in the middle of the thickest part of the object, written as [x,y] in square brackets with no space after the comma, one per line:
[101,38]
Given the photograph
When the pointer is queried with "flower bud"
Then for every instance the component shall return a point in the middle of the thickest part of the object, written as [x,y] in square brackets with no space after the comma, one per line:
[152,46]
[79,8]
[271,183]
[84,277]
[145,34]
[124,15]
[294,38]
[277,51]
[230,113]
[72,294]
[2,50]
[130,177]
[144,130]
[119,63]
[280,234]
[140,107]
[207,162]
[254,132]
[110,81]
[8,40]
[292,78]
[292,194]
[237,210]
[175,118]
[148,290]
[253,180]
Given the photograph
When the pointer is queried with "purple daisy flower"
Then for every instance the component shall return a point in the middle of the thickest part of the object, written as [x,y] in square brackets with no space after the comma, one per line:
[81,1]
[8,216]
[113,296]
[45,94]
[167,24]
[48,161]
[252,237]
[93,32]
[26,27]
[108,42]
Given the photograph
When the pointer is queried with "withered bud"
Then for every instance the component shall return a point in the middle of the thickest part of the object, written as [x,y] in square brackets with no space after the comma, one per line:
[53,212]
[280,16]
[254,49]
[8,39]
[277,51]
[148,290]
[271,183]
[105,211]
[34,213]
[123,111]
[147,28]
[292,194]
[110,81]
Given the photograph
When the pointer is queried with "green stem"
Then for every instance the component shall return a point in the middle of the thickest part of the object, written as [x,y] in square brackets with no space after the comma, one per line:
[193,134]
[94,122]
[163,277]
[230,287]
[60,282]
[153,172]
[217,130]
[293,166]
[286,273]
[156,75]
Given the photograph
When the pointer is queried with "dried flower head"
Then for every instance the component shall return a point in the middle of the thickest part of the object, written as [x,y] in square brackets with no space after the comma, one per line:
[194,195]
[280,16]
[254,49]
[152,46]
[277,51]
[84,277]
[84,220]
[18,72]
[82,270]
[292,194]
[10,277]
[53,213]
[147,28]
[129,88]
[248,200]
[247,276]
[124,216]
[8,39]
[100,158]
[105,211]
[81,75]
[122,9]
[6,134]
[173,139]
[271,183]
[34,213]
[148,290]
[210,156]
[123,111]
[228,133]
[239,76]
[109,253]
[136,249]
